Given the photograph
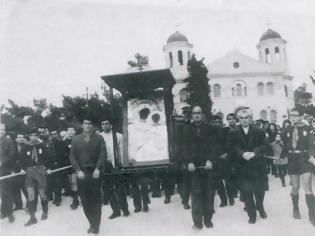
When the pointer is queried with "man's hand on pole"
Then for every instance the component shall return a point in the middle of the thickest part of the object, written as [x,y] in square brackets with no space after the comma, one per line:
[96,173]
[80,174]
[191,167]
[208,165]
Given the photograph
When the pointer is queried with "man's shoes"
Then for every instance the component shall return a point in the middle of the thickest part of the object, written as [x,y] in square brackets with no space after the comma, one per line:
[114,215]
[57,203]
[145,208]
[137,210]
[231,201]
[208,224]
[11,218]
[126,213]
[167,200]
[297,215]
[223,204]
[252,221]
[263,214]
[31,221]
[283,185]
[74,205]
[18,207]
[197,227]
[3,216]
[92,230]
[44,216]
[156,195]
[186,206]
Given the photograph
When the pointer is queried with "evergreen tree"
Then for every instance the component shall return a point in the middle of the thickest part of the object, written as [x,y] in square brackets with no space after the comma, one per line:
[198,85]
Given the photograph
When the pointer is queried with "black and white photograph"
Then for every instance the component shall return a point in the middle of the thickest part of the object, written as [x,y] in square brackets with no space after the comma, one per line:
[169,117]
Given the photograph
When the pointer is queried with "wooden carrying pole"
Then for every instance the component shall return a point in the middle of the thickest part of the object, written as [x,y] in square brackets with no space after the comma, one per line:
[21,173]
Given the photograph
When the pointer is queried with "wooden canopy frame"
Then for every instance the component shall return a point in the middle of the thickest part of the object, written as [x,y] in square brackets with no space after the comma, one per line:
[143,84]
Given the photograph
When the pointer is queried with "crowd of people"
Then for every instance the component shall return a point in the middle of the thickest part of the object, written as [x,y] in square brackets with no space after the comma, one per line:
[232,160]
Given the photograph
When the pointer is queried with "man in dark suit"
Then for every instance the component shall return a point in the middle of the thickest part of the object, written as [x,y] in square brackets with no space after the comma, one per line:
[87,156]
[199,153]
[6,168]
[249,145]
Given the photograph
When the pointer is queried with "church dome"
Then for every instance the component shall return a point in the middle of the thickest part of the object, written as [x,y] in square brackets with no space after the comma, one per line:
[270,34]
[177,37]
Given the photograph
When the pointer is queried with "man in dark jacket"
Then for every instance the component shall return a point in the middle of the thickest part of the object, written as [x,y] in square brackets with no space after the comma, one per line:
[87,156]
[37,163]
[249,148]
[6,168]
[199,153]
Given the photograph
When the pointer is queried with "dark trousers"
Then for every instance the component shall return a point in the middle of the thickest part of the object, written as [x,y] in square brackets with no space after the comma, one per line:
[113,187]
[54,186]
[6,194]
[168,182]
[187,181]
[202,198]
[19,185]
[282,171]
[90,193]
[140,190]
[254,194]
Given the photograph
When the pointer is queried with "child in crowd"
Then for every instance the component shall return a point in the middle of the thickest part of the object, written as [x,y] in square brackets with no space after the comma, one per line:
[280,163]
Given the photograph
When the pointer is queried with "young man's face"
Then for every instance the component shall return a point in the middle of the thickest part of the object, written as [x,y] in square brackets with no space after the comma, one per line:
[196,114]
[33,137]
[87,126]
[216,123]
[71,132]
[20,138]
[231,120]
[106,126]
[244,119]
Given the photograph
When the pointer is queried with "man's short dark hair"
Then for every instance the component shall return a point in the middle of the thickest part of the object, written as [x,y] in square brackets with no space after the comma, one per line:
[215,117]
[231,115]
[294,109]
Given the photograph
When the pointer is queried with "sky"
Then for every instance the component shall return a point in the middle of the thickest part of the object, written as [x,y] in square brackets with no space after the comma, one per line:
[51,48]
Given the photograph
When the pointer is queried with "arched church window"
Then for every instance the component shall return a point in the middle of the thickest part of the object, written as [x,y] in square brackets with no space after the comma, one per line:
[233,92]
[216,90]
[286,91]
[263,114]
[183,95]
[171,58]
[180,57]
[188,55]
[239,90]
[270,88]
[267,53]
[260,88]
[245,91]
[273,116]
[277,53]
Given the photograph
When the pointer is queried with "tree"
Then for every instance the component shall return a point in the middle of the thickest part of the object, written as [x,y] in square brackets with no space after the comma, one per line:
[197,85]
[140,63]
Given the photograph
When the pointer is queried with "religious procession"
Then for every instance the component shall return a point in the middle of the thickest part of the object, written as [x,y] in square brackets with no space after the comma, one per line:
[221,148]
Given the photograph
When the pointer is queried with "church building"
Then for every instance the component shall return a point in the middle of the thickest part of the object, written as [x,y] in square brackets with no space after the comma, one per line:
[237,79]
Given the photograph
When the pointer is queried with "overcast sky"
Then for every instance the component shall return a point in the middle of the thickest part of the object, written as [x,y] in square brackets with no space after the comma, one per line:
[55,47]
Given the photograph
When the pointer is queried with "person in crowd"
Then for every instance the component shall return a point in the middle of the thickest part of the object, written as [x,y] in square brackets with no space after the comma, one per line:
[223,165]
[72,177]
[280,163]
[297,147]
[199,154]
[19,180]
[183,174]
[271,133]
[46,139]
[249,143]
[87,156]
[6,167]
[37,163]
[114,185]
